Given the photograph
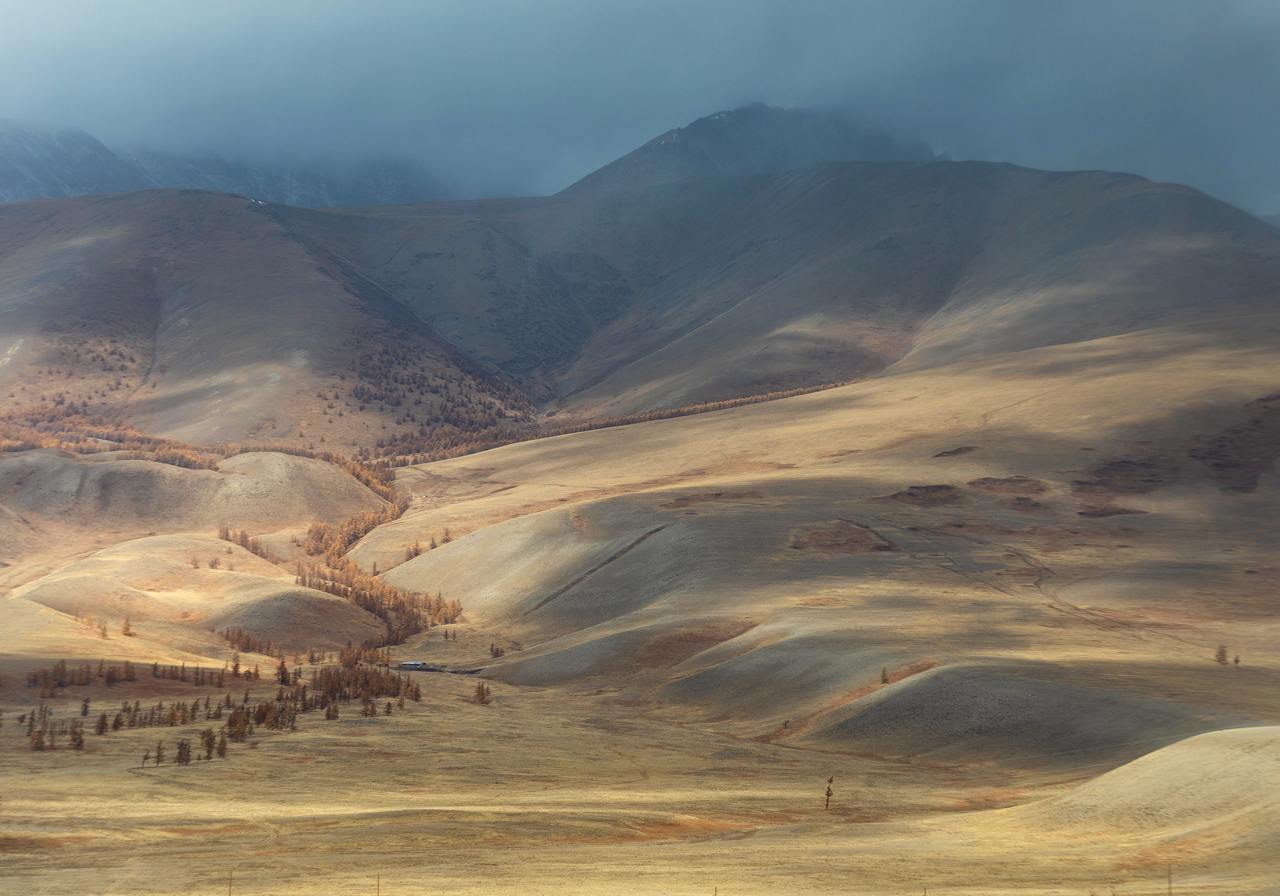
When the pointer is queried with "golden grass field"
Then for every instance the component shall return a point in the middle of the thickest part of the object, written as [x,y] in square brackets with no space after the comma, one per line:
[1003,655]
[547,790]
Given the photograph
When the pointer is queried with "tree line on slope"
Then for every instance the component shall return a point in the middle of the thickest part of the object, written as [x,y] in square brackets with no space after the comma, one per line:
[427,445]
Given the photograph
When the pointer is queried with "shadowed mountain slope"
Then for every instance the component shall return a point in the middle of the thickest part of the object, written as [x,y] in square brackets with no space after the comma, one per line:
[624,301]
[213,318]
[752,139]
[198,316]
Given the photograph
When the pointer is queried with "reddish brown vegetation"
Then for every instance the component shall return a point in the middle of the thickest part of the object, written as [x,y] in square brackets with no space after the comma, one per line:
[926,495]
[333,541]
[841,537]
[404,613]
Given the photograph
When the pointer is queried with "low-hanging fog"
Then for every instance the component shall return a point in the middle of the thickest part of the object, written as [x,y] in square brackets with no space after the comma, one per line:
[503,96]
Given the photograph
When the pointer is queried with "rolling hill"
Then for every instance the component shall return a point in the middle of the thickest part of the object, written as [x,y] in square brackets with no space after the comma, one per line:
[1076,526]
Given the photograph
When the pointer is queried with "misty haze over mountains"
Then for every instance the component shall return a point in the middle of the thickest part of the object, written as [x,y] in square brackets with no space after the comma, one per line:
[37,164]
[510,98]
[754,139]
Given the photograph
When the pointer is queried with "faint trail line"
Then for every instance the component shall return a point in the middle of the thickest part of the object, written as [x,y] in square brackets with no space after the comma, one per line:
[985,420]
[599,566]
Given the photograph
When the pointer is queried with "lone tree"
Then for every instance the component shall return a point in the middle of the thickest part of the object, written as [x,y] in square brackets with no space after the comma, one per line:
[830,792]
[483,693]
[1221,655]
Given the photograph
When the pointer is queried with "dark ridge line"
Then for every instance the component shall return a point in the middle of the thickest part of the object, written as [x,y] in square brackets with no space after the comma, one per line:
[593,570]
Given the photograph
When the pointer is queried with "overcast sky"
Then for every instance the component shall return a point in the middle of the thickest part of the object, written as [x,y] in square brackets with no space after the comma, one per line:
[499,96]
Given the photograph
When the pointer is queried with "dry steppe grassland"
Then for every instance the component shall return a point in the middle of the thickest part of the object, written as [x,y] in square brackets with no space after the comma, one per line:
[1009,592]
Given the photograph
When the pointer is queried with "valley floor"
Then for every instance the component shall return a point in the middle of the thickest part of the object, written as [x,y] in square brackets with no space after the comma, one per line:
[556,791]
[1000,604]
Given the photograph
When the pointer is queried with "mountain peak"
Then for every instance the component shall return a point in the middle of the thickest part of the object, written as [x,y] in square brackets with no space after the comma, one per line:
[752,139]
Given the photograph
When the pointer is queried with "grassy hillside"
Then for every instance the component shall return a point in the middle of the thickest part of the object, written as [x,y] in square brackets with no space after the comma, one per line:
[211,318]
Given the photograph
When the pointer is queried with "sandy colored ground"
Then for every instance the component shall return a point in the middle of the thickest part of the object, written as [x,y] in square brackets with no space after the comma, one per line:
[551,791]
[985,598]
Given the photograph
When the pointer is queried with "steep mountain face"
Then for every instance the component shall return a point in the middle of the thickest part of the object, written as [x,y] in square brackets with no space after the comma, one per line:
[620,301]
[753,139]
[1273,220]
[198,316]
[38,164]
[210,317]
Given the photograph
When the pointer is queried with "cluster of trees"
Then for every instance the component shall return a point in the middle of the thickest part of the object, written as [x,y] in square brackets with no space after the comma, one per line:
[395,375]
[361,674]
[61,675]
[362,682]
[84,373]
[179,712]
[324,691]
[242,538]
[333,541]
[404,613]
[197,675]
[43,731]
[94,623]
[210,743]
[71,427]
[248,642]
[415,549]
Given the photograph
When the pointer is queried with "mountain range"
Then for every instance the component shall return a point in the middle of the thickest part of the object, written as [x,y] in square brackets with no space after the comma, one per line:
[411,324]
[945,487]
[39,164]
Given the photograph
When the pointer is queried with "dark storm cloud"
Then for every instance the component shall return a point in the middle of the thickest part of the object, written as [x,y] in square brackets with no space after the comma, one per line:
[504,96]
